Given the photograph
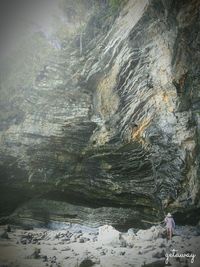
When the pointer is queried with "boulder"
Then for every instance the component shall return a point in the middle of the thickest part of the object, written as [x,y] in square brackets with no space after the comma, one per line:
[150,234]
[108,235]
[129,237]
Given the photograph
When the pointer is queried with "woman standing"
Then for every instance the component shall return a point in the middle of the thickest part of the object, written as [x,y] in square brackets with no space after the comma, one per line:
[170,224]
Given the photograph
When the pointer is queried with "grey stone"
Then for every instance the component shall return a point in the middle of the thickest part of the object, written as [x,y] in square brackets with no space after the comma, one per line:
[109,136]
[159,254]
[86,263]
[158,263]
[4,235]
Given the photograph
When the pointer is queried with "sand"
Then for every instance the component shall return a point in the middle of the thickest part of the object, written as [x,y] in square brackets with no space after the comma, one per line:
[72,248]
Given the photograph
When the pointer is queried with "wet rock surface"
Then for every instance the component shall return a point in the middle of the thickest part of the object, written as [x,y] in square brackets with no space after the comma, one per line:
[109,135]
[53,250]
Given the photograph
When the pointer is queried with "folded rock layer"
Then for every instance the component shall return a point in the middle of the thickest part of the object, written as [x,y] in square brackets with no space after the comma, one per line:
[100,115]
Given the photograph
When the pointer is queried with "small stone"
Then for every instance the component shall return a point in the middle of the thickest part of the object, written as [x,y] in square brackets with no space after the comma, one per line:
[159,254]
[131,231]
[76,254]
[157,263]
[162,245]
[65,249]
[45,258]
[8,229]
[36,253]
[86,263]
[123,244]
[5,235]
[73,239]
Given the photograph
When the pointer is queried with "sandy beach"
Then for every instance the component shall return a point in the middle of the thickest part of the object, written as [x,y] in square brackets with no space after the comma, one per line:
[106,247]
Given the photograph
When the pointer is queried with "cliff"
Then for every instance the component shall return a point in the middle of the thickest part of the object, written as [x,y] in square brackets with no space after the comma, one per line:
[100,115]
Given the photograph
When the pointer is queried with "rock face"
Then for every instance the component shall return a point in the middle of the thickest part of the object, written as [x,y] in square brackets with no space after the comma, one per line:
[104,117]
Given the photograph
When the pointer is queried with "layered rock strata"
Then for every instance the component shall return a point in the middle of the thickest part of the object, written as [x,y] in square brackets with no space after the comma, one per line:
[103,119]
